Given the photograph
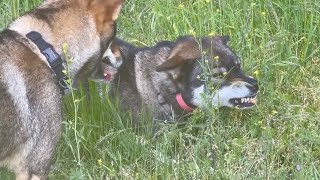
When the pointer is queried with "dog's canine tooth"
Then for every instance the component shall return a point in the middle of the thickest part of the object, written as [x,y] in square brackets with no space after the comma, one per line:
[253,100]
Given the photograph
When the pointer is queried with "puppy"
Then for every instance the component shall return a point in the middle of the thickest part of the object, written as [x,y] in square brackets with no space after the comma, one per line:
[33,50]
[171,78]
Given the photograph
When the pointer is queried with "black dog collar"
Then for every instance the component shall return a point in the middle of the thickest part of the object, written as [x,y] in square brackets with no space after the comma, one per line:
[53,58]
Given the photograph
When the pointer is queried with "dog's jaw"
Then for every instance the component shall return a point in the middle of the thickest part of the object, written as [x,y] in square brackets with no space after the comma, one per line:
[235,95]
[237,90]
[197,96]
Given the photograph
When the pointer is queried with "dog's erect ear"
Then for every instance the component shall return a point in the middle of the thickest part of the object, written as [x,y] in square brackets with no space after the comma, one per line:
[115,49]
[104,11]
[187,50]
[116,60]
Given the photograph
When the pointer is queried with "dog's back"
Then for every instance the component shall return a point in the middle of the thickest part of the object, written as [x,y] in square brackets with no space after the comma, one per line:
[26,89]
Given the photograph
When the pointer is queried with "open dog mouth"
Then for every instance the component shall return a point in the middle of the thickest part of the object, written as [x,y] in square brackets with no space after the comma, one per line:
[244,102]
[107,76]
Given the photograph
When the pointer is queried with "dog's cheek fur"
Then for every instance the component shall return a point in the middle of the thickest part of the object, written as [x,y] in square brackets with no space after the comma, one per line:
[189,80]
[86,70]
[106,36]
[105,12]
[94,61]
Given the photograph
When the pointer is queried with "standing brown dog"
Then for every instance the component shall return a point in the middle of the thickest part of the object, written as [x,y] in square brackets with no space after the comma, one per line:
[31,75]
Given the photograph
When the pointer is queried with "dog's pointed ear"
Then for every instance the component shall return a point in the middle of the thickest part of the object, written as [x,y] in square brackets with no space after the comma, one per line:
[104,11]
[115,49]
[183,52]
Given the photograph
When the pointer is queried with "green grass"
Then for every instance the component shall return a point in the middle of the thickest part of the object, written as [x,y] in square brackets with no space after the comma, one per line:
[279,42]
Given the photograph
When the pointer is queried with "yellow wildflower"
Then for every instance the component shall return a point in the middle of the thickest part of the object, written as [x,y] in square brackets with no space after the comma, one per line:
[192,32]
[99,161]
[211,34]
[181,6]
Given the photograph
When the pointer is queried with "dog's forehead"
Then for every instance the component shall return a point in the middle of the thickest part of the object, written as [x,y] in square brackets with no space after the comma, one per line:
[217,50]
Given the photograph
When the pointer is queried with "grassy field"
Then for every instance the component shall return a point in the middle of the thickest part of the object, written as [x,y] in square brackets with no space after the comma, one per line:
[279,43]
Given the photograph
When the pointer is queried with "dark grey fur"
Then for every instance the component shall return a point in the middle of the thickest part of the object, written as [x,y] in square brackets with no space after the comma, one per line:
[145,78]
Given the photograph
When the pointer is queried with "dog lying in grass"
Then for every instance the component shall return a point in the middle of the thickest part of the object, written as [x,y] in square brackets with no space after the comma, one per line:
[171,78]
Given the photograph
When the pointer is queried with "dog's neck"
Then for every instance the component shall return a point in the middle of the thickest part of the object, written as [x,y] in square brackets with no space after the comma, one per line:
[43,48]
[62,40]
[176,105]
[54,59]
[42,44]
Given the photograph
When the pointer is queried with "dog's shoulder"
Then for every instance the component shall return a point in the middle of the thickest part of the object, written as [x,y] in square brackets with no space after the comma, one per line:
[12,41]
[164,44]
[158,49]
[7,34]
[167,44]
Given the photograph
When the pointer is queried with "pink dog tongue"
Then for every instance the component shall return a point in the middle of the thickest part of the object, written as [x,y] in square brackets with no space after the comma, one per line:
[108,77]
[182,103]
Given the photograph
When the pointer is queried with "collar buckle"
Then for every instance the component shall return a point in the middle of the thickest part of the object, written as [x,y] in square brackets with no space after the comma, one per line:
[53,58]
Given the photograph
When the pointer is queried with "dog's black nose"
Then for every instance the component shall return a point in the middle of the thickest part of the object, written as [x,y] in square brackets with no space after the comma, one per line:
[252,84]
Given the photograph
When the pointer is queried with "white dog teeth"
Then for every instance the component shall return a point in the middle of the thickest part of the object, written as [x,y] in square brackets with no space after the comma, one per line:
[245,100]
[248,100]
